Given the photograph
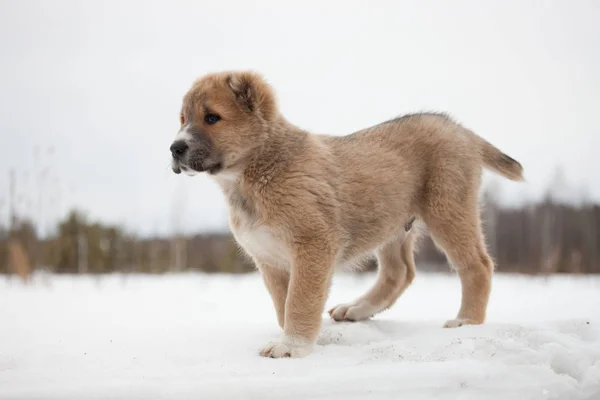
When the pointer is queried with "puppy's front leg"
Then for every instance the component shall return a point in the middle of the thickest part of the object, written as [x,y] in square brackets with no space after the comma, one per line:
[307,292]
[277,281]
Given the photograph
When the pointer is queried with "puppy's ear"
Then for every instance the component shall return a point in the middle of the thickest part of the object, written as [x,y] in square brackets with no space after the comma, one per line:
[242,87]
[253,94]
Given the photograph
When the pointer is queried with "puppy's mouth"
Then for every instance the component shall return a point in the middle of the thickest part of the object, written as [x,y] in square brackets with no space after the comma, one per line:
[214,168]
[195,168]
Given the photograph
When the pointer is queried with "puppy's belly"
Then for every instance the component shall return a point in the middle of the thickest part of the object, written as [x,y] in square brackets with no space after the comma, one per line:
[354,264]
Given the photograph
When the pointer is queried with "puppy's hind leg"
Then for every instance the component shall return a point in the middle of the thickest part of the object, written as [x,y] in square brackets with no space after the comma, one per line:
[461,239]
[396,271]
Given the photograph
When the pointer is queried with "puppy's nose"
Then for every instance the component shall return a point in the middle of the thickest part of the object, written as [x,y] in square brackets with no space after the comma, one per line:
[178,148]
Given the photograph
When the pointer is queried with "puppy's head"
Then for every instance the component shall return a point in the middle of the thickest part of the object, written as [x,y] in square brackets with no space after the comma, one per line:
[224,116]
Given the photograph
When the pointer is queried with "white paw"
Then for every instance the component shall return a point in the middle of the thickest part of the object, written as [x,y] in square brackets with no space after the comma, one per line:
[455,323]
[286,348]
[356,311]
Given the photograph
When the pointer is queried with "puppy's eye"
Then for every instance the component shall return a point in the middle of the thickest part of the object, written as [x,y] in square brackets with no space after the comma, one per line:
[181,119]
[211,119]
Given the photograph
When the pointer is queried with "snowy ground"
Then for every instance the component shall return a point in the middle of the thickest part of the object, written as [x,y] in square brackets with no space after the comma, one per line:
[193,336]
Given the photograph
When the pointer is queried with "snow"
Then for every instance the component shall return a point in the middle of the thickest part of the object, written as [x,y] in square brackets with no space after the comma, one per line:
[197,336]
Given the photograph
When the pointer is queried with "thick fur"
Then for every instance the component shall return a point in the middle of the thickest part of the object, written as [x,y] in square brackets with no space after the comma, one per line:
[303,204]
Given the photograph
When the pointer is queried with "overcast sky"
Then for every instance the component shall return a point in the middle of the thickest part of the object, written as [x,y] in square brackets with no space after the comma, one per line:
[101,83]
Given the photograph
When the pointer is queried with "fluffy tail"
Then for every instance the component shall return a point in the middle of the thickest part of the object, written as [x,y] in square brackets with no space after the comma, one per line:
[496,160]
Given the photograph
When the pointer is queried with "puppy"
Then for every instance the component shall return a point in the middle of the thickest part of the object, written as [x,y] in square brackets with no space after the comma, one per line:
[302,204]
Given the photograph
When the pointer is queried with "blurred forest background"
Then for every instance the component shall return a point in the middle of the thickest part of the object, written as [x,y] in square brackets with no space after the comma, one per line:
[544,237]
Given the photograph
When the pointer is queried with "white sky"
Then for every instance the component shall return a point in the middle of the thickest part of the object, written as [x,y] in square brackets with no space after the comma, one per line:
[102,83]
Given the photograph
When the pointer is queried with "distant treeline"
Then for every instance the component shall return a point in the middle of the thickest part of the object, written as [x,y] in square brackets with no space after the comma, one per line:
[546,237]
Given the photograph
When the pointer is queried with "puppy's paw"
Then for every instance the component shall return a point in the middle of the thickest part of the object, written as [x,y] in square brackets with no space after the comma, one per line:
[455,323]
[356,311]
[286,348]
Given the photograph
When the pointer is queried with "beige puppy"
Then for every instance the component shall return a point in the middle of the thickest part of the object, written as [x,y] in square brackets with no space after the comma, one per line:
[302,204]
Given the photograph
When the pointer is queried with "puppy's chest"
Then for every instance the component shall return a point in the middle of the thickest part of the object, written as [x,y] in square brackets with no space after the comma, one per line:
[259,240]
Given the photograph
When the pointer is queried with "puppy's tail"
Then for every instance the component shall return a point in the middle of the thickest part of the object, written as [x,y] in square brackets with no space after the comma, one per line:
[497,161]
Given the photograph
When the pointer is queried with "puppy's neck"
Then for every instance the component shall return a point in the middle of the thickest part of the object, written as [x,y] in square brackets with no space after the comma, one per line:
[273,156]
[265,162]
[227,179]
